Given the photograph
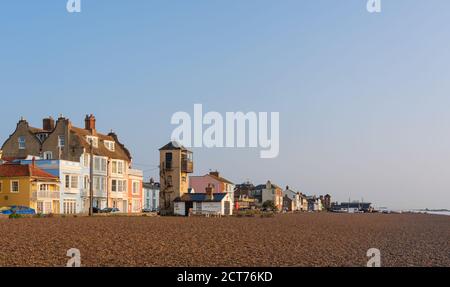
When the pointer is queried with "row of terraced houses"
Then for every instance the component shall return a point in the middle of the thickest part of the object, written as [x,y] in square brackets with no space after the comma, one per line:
[48,169]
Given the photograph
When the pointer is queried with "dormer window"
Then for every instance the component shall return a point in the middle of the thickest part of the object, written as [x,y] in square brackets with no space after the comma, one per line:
[93,140]
[110,145]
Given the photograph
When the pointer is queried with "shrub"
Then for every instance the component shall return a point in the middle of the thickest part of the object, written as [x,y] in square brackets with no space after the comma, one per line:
[14,216]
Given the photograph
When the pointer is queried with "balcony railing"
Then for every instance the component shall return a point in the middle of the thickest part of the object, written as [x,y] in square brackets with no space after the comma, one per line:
[44,194]
[86,193]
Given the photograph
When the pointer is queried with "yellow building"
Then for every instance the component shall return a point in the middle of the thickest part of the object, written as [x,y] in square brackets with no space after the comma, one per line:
[27,185]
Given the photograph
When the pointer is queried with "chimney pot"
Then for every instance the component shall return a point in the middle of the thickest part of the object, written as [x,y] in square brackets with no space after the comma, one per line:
[90,122]
[48,124]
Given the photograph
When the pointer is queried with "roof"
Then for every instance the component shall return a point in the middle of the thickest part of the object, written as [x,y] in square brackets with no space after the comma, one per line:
[263,186]
[151,185]
[219,178]
[120,152]
[173,145]
[200,197]
[17,170]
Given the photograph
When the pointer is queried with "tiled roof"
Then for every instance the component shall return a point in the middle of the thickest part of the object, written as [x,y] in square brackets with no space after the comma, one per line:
[120,152]
[173,145]
[200,197]
[16,170]
[219,178]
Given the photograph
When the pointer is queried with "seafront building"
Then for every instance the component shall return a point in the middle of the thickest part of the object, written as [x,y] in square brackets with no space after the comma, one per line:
[151,195]
[30,186]
[114,182]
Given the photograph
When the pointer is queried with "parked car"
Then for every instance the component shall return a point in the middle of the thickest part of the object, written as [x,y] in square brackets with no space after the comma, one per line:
[23,210]
[96,210]
[110,210]
[148,210]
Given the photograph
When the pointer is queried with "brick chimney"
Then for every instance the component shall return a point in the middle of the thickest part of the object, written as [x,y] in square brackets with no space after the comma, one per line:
[90,122]
[48,124]
[210,192]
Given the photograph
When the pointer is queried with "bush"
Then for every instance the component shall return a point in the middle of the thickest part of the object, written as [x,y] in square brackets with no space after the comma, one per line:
[269,204]
[14,216]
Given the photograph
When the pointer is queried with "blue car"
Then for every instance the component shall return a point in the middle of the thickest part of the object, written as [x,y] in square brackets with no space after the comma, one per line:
[23,210]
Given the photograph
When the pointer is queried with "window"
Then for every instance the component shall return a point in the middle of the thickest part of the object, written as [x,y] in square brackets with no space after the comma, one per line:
[100,164]
[44,187]
[22,143]
[136,187]
[74,181]
[93,140]
[121,185]
[70,206]
[48,155]
[168,160]
[85,160]
[15,186]
[136,205]
[118,185]
[86,182]
[117,167]
[110,145]
[183,179]
[61,141]
[40,207]
[67,181]
[1,186]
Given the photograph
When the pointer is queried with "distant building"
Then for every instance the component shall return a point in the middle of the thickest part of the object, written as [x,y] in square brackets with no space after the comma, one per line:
[288,203]
[243,196]
[135,190]
[208,203]
[352,207]
[269,192]
[326,202]
[314,204]
[151,195]
[221,185]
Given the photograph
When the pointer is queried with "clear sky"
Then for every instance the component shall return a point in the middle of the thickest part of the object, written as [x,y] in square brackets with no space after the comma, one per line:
[363,98]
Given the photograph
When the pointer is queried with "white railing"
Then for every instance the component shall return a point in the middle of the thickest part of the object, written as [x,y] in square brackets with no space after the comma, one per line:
[46,194]
[86,193]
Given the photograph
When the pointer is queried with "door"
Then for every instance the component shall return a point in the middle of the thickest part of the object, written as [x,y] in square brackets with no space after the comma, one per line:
[227,207]
[188,206]
[125,207]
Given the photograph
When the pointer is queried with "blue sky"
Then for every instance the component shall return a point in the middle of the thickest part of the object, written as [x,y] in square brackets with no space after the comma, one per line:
[363,98]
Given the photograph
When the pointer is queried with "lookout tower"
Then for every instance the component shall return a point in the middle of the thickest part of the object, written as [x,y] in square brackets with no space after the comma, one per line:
[176,163]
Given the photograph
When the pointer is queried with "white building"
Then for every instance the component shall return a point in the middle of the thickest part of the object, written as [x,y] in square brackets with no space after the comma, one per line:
[208,203]
[74,181]
[151,196]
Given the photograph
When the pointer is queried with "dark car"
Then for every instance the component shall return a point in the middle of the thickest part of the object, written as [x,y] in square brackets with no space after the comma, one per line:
[96,210]
[110,210]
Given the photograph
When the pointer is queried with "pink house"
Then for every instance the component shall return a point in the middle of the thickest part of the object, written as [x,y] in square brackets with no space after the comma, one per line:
[213,179]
